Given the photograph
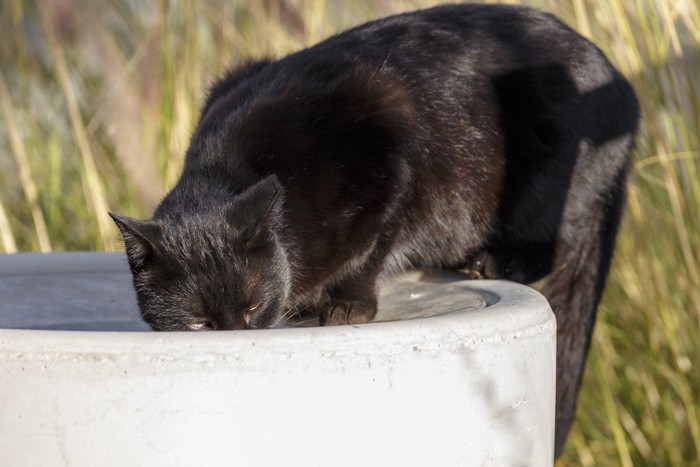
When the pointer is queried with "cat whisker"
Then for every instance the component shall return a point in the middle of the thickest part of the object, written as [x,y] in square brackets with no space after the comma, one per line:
[297,308]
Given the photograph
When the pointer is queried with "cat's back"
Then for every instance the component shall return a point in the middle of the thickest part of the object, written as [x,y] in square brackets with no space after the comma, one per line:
[441,43]
[490,38]
[439,80]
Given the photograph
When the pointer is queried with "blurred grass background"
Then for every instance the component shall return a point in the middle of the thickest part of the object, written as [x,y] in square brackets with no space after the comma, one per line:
[98,100]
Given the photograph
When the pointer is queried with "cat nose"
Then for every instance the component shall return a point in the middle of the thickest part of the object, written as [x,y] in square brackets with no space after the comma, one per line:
[235,321]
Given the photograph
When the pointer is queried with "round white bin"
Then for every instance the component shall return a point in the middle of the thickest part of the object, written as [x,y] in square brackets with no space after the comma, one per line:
[457,373]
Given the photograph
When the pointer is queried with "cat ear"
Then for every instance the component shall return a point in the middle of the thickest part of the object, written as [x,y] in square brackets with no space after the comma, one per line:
[257,210]
[140,238]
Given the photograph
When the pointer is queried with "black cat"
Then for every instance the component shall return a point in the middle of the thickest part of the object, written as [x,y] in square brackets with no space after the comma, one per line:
[491,138]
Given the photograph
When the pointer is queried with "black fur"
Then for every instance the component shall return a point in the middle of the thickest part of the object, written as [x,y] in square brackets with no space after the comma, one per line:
[491,138]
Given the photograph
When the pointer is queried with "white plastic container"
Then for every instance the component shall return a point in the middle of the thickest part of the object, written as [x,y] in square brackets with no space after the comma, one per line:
[460,373]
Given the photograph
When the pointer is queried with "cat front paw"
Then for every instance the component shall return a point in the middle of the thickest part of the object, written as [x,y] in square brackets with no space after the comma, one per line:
[351,312]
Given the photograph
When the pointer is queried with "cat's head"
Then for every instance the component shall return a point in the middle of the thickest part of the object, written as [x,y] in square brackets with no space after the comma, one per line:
[224,268]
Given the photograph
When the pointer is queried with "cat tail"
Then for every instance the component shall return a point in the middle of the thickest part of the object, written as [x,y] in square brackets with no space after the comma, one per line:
[574,287]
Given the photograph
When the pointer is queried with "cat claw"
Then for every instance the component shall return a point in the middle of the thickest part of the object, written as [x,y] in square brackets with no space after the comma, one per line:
[482,266]
[346,313]
[496,265]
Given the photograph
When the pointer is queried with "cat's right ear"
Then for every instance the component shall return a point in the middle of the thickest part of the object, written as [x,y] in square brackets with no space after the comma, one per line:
[141,238]
[257,210]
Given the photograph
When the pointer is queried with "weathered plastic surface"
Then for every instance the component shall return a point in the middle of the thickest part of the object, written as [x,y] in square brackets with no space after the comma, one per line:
[458,373]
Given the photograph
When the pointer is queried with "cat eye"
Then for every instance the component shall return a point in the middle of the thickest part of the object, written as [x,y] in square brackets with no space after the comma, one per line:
[201,326]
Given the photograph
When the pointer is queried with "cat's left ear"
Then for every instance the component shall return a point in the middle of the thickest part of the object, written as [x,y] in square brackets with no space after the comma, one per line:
[140,238]
[257,210]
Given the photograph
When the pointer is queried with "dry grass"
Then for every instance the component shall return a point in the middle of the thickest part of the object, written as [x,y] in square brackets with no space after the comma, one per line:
[98,99]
